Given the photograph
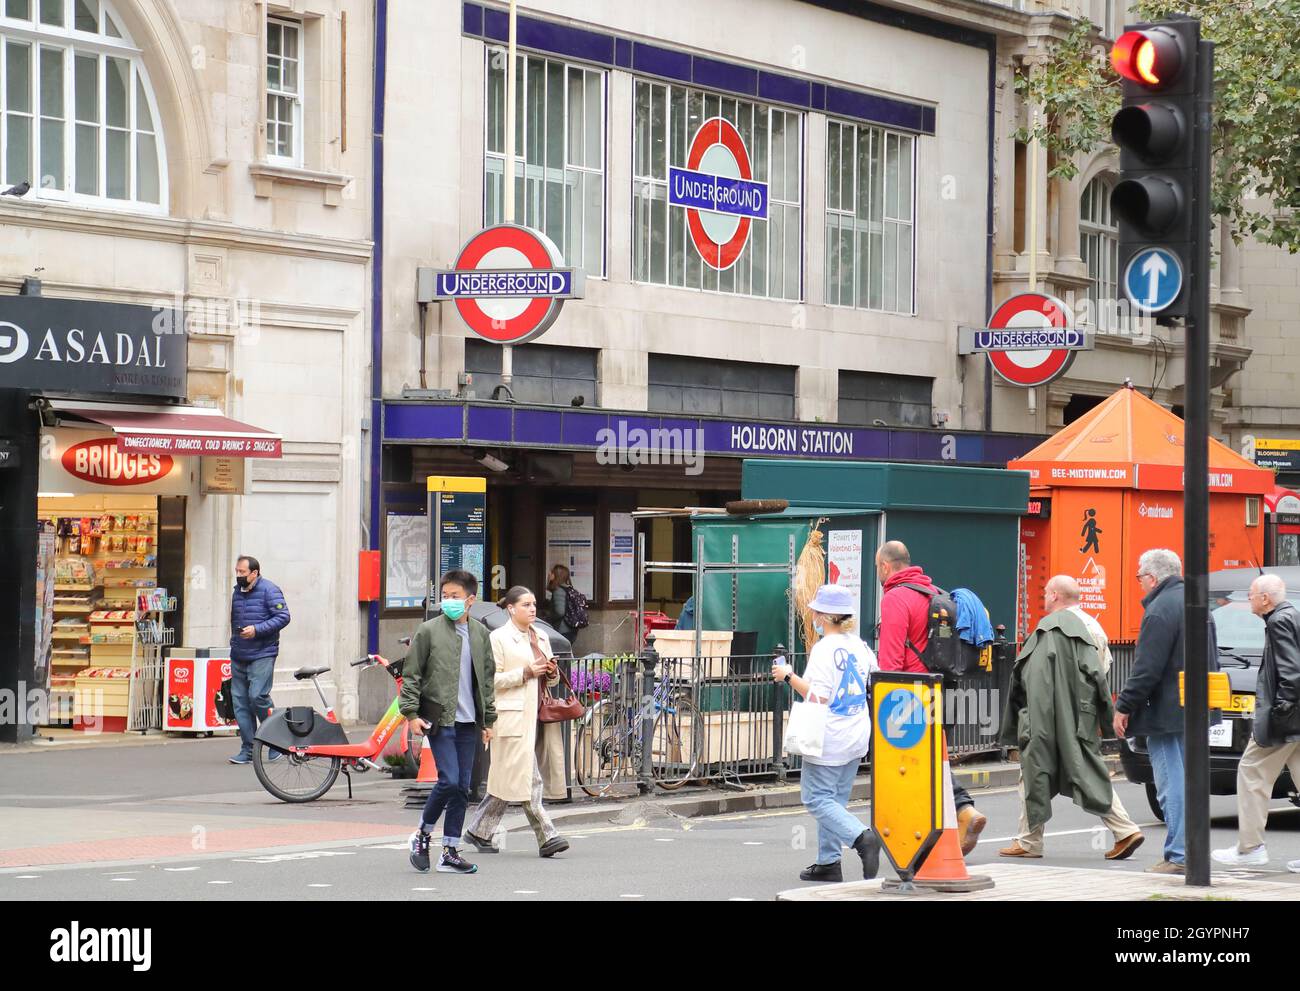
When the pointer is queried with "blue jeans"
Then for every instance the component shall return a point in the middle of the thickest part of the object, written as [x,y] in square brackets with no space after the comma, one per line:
[454,749]
[825,791]
[250,688]
[1166,750]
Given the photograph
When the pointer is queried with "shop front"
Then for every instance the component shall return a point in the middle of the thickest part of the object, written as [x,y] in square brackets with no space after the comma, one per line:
[96,507]
[563,483]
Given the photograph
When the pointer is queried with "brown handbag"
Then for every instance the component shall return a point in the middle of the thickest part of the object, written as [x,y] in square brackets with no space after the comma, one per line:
[558,710]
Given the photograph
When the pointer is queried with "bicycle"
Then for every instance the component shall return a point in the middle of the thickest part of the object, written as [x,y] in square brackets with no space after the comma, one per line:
[608,745]
[298,753]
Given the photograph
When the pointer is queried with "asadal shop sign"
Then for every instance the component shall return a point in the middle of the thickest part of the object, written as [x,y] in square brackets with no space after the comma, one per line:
[84,347]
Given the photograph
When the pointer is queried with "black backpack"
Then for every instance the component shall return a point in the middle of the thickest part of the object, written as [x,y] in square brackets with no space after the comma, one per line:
[576,609]
[943,652]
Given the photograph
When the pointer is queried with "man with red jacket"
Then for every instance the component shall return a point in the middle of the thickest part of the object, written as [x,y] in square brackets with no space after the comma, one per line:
[904,633]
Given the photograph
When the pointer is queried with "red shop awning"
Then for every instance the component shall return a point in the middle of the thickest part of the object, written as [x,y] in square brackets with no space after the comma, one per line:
[181,431]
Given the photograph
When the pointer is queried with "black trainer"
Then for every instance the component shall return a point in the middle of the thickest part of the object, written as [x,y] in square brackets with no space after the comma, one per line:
[822,872]
[419,844]
[481,845]
[867,846]
[557,844]
[452,862]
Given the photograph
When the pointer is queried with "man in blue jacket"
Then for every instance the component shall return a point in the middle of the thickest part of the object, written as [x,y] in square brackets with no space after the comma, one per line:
[258,613]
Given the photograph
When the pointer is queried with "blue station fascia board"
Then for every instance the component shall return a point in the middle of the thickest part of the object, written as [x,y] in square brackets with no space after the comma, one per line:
[494,424]
[612,51]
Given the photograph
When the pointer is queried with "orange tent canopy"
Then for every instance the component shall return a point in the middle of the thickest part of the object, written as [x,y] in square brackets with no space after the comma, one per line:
[1129,441]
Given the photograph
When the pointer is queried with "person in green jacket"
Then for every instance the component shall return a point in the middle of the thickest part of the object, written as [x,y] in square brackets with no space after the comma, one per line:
[1059,702]
[448,694]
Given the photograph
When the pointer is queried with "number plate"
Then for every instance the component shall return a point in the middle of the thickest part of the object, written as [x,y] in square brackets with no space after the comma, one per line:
[1242,703]
[1221,735]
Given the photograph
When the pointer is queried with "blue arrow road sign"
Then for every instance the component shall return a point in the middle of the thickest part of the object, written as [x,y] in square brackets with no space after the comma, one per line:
[1153,279]
[902,718]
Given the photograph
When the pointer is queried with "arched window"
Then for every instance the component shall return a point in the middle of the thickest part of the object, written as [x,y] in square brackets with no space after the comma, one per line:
[1099,246]
[80,121]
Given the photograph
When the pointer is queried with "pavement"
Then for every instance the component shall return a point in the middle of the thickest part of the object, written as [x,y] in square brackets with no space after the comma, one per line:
[174,822]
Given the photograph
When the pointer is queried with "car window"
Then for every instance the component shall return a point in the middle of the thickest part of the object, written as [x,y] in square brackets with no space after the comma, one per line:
[1237,628]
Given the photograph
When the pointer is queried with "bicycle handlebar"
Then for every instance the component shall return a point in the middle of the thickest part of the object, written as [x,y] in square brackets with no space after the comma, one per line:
[370,659]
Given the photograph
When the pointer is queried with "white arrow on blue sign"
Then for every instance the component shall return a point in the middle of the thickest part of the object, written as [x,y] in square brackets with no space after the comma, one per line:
[1153,279]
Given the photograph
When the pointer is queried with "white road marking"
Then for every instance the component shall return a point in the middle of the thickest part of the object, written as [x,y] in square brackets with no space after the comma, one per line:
[753,843]
[391,846]
[1070,832]
[118,873]
[221,882]
[26,877]
[631,896]
[424,889]
[178,870]
[740,899]
[302,855]
[525,891]
[663,839]
[122,879]
[320,885]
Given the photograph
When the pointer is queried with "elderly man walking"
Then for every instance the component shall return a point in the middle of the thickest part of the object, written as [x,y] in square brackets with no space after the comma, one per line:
[1149,704]
[1275,740]
[1058,703]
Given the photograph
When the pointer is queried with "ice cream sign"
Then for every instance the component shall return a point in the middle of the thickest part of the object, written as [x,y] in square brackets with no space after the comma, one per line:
[718,190]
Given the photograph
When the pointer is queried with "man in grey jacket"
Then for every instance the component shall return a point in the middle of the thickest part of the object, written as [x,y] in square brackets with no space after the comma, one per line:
[1275,741]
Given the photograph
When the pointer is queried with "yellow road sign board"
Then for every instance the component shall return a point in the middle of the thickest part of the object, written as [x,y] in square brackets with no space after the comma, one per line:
[907,765]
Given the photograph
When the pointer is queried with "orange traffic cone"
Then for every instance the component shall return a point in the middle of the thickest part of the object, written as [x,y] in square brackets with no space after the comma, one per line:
[428,771]
[944,868]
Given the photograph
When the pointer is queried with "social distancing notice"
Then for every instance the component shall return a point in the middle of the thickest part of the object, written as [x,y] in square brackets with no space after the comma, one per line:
[907,769]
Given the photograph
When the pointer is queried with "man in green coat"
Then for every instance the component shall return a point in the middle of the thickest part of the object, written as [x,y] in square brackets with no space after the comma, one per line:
[1059,701]
[448,694]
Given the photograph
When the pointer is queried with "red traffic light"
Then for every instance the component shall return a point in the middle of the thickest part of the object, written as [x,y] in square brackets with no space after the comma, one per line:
[1151,58]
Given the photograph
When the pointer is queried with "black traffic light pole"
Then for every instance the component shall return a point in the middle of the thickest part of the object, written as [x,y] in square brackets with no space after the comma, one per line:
[1196,496]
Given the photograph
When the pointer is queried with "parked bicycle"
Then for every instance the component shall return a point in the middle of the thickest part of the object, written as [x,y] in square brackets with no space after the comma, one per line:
[608,747]
[298,752]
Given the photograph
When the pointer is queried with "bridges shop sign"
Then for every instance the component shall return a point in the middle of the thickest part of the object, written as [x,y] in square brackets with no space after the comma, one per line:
[83,347]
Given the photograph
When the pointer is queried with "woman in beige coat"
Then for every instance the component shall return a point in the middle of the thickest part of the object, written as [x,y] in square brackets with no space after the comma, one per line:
[527,756]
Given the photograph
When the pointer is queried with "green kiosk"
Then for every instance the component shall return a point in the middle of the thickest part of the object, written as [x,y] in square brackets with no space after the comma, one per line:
[962,525]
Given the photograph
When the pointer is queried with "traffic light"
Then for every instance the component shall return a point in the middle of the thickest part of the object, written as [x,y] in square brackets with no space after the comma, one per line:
[1154,198]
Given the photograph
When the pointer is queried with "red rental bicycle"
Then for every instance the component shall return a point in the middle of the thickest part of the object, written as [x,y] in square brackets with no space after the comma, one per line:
[298,752]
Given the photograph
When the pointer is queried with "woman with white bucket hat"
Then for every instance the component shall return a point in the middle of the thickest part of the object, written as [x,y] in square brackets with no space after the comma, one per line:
[833,740]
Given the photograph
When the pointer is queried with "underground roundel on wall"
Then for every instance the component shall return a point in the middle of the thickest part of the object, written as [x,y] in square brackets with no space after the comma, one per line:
[718,190]
[1031,339]
[509,284]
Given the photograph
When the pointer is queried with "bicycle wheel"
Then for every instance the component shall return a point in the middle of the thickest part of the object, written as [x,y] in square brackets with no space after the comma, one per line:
[596,756]
[294,778]
[677,744]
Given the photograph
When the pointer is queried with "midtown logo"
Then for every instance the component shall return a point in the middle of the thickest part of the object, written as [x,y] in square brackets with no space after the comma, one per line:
[99,945]
[1156,512]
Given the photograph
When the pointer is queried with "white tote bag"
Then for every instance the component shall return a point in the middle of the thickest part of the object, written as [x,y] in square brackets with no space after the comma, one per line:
[805,730]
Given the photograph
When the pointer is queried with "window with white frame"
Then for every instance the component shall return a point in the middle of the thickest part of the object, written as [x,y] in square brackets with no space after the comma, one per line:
[667,119]
[284,89]
[870,188]
[559,154]
[1099,246]
[80,123]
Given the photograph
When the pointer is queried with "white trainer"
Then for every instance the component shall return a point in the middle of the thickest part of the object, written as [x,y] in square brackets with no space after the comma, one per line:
[1232,857]
[1293,866]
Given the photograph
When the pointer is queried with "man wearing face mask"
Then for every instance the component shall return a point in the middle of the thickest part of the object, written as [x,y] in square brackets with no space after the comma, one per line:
[258,612]
[447,693]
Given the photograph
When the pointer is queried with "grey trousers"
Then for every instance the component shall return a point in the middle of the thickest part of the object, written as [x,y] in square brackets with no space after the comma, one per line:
[1257,772]
[487,817]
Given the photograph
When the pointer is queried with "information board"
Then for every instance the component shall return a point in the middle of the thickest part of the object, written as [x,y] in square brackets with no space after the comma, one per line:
[458,531]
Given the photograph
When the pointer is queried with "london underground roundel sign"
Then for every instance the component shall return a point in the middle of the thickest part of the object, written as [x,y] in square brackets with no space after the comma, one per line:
[718,190]
[1030,339]
[509,284]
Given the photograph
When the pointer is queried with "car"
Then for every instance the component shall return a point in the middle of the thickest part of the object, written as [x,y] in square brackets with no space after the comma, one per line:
[1223,583]
[1240,635]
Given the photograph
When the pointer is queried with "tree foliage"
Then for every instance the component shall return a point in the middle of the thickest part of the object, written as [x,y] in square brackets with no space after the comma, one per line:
[1256,110]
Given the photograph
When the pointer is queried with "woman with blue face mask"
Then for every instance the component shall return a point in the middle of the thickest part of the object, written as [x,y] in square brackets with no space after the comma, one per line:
[839,665]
